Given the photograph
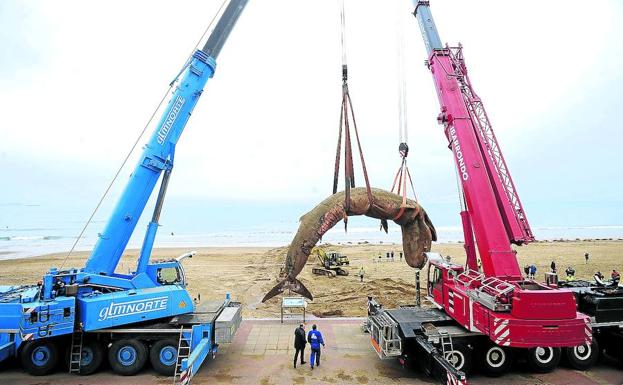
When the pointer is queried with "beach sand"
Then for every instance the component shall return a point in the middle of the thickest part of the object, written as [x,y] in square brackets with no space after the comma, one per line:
[248,273]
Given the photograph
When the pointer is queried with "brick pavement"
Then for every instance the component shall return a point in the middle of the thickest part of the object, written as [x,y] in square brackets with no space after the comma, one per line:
[262,354]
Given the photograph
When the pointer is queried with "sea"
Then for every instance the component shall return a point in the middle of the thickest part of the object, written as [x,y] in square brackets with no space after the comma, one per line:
[32,230]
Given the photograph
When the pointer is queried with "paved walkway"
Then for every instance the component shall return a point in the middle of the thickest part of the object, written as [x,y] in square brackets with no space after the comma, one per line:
[262,354]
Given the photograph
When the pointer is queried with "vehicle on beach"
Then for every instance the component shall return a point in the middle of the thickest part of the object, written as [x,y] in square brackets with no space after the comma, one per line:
[487,311]
[87,315]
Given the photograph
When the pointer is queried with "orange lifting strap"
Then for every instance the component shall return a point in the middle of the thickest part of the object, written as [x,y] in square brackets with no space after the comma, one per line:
[400,180]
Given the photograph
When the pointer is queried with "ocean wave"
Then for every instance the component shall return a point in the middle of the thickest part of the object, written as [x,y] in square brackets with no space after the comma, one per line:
[31,237]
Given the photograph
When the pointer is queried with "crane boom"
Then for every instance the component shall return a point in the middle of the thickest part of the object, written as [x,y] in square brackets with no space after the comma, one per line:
[512,312]
[493,213]
[137,311]
[158,155]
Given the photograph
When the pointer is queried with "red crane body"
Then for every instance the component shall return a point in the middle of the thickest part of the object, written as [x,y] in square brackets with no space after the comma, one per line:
[498,301]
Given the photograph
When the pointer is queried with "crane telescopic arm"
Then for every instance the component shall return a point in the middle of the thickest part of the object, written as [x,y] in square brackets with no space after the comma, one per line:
[158,155]
[493,212]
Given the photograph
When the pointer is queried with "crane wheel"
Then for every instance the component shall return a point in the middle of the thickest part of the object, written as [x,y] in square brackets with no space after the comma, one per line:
[127,357]
[543,359]
[583,357]
[39,357]
[92,356]
[460,357]
[495,360]
[163,356]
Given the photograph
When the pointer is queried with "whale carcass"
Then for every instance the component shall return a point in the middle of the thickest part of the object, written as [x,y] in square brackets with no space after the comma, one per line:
[418,231]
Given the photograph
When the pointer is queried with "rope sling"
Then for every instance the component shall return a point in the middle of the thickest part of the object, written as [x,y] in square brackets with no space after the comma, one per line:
[347,117]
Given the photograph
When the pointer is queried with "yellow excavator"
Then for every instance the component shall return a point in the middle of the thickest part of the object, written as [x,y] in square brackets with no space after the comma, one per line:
[330,263]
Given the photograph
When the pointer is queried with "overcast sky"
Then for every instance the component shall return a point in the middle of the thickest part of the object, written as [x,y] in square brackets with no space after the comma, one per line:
[79,79]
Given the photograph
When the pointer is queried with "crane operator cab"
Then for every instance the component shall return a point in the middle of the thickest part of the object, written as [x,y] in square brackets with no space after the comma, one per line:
[438,269]
[171,272]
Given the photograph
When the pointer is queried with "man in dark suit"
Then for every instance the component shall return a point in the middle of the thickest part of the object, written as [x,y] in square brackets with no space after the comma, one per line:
[299,343]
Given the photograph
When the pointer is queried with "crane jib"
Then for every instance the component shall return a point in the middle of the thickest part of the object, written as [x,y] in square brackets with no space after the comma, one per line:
[157,156]
[158,153]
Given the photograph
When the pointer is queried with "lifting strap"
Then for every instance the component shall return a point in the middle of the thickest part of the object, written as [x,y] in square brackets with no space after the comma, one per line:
[400,180]
[347,116]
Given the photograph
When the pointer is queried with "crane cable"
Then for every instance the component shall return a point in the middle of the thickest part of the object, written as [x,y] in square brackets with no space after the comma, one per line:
[346,116]
[153,114]
[403,173]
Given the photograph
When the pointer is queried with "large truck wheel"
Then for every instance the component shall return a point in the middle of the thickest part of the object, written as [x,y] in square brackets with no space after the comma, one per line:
[39,357]
[495,360]
[163,356]
[460,357]
[127,357]
[583,357]
[91,358]
[543,359]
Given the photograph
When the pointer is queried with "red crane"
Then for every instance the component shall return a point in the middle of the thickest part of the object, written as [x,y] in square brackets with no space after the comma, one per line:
[496,302]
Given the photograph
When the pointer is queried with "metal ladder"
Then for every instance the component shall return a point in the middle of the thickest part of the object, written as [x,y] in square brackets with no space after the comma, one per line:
[183,351]
[75,357]
[445,340]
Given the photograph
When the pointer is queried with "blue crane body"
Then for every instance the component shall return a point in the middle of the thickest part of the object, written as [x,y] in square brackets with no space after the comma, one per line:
[89,308]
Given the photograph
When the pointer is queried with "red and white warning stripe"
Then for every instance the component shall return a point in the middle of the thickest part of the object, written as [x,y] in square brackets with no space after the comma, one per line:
[185,377]
[588,330]
[30,310]
[501,332]
[452,380]
[27,337]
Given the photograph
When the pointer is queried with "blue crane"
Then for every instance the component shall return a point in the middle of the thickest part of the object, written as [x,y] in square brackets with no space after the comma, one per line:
[132,318]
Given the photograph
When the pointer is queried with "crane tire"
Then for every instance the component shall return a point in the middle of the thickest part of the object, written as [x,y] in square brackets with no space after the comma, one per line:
[92,357]
[163,356]
[495,360]
[127,357]
[544,359]
[583,357]
[39,357]
[460,357]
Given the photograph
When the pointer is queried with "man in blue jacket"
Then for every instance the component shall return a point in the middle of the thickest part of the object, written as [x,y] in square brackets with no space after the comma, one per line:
[315,340]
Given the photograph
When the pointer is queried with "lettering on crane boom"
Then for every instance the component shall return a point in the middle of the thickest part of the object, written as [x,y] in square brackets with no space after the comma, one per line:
[171,118]
[116,310]
[459,153]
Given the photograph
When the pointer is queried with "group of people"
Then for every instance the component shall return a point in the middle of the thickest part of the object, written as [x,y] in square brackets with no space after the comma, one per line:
[530,271]
[615,278]
[314,338]
[389,256]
